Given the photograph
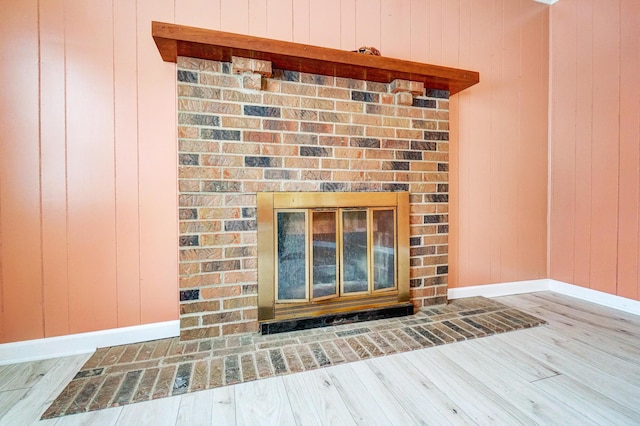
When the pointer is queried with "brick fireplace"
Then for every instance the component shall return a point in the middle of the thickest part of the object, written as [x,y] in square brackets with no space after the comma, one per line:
[246,127]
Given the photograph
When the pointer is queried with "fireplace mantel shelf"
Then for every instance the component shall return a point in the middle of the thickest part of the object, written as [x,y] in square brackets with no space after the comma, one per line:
[178,40]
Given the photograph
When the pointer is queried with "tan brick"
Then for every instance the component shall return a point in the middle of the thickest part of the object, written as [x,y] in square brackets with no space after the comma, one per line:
[349,83]
[435,260]
[342,129]
[199,333]
[240,148]
[188,185]
[240,277]
[218,292]
[405,111]
[316,127]
[350,176]
[297,89]
[219,80]
[190,308]
[238,96]
[415,87]
[200,226]
[383,154]
[365,165]
[281,100]
[219,212]
[314,103]
[348,152]
[395,144]
[186,322]
[380,176]
[408,134]
[350,106]
[198,64]
[198,146]
[443,104]
[262,67]
[220,108]
[219,239]
[200,280]
[250,173]
[335,117]
[334,93]
[381,132]
[221,318]
[331,163]
[279,150]
[302,163]
[198,173]
[241,327]
[199,254]
[371,120]
[240,302]
[241,122]
[286,125]
[222,160]
[263,186]
[188,268]
[249,314]
[299,114]
[188,132]
[270,137]
[271,85]
[240,65]
[240,200]
[251,81]
[300,186]
[387,99]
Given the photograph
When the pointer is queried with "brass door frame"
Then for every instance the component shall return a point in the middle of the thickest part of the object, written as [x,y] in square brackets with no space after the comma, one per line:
[268,202]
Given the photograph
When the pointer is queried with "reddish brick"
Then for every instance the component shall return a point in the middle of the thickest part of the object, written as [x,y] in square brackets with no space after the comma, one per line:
[241,327]
[316,127]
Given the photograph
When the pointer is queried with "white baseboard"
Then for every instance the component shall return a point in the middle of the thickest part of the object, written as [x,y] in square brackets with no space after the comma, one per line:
[496,290]
[605,299]
[75,344]
[519,287]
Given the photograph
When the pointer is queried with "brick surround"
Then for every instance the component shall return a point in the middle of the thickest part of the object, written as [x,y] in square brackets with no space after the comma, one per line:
[244,128]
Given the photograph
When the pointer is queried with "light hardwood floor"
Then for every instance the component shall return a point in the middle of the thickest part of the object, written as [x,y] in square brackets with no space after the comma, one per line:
[583,368]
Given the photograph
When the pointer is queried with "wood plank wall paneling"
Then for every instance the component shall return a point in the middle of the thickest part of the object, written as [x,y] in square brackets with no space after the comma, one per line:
[90,166]
[20,204]
[629,190]
[88,228]
[157,139]
[53,154]
[595,159]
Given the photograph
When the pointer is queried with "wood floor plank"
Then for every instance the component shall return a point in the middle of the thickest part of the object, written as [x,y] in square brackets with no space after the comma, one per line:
[157,412]
[223,411]
[527,367]
[29,408]
[587,307]
[609,385]
[366,396]
[9,398]
[23,375]
[106,417]
[476,399]
[536,404]
[196,409]
[422,400]
[605,359]
[618,346]
[314,399]
[598,407]
[263,402]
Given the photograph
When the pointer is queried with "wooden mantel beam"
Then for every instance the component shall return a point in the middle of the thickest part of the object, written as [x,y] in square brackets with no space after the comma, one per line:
[178,40]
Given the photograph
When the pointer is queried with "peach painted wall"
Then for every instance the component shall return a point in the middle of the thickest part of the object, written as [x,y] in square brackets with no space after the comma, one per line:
[595,145]
[88,212]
